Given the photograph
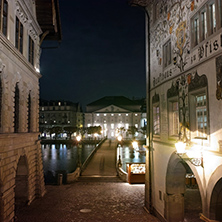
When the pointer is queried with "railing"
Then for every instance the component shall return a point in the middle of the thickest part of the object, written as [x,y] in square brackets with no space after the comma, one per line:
[84,165]
[71,177]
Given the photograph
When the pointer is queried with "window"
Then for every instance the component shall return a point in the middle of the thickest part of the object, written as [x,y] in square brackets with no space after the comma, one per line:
[136,125]
[173,118]
[104,114]
[19,35]
[16,109]
[3,16]
[31,53]
[127,114]
[112,125]
[97,114]
[127,126]
[207,21]
[29,113]
[196,31]
[201,116]
[156,120]
[220,11]
[167,54]
[203,25]
[212,18]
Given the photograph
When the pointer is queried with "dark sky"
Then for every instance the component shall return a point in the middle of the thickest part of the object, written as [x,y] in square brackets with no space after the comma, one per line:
[102,53]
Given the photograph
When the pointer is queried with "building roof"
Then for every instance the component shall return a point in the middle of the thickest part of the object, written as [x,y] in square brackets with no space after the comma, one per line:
[43,102]
[120,101]
[48,17]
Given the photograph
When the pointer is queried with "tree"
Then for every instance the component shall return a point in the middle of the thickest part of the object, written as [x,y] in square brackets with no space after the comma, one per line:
[70,130]
[132,131]
[57,130]
[94,129]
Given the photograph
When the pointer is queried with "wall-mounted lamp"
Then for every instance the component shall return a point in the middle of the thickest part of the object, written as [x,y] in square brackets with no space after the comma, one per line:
[195,152]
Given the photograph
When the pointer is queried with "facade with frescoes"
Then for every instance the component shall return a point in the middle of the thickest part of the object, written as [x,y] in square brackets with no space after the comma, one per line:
[184,63]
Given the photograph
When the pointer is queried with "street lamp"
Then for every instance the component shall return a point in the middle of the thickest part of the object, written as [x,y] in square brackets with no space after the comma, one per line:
[78,138]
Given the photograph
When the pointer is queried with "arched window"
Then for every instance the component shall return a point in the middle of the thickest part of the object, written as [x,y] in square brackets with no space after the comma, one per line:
[16,109]
[29,113]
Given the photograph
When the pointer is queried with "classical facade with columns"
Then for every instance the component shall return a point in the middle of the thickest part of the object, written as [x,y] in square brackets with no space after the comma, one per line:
[184,103]
[21,169]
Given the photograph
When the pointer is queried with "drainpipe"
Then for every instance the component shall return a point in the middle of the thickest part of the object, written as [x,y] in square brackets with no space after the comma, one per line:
[148,100]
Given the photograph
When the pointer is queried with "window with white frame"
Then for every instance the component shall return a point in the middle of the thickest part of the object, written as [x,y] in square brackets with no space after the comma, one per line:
[173,118]
[156,119]
[203,24]
[199,124]
[201,115]
[212,17]
[167,54]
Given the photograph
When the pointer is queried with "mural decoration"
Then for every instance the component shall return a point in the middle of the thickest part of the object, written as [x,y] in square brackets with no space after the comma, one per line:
[219,77]
[173,22]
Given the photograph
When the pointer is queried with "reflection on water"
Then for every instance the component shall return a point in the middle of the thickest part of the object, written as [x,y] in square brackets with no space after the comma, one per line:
[129,155]
[62,158]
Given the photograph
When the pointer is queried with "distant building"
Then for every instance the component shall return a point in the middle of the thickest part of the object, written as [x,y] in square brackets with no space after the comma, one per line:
[21,35]
[59,114]
[116,114]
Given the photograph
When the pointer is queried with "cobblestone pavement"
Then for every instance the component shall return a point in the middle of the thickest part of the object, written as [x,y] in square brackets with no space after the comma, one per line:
[89,200]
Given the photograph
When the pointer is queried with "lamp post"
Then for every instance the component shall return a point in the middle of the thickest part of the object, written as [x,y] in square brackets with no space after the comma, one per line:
[119,138]
[78,139]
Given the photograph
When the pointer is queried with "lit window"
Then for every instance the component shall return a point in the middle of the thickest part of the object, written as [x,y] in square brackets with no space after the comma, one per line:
[127,126]
[127,114]
[112,125]
[105,126]
[156,120]
[112,114]
[43,108]
[59,103]
[201,116]
[97,114]
[136,114]
[104,114]
[119,125]
[167,54]
[88,125]
[119,114]
[136,125]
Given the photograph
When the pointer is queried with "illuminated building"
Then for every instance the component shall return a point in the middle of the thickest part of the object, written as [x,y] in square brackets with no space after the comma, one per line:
[59,114]
[21,177]
[116,114]
[184,100]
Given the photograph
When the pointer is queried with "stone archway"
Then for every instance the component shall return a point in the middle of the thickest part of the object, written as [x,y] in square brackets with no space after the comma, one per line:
[178,199]
[216,202]
[21,183]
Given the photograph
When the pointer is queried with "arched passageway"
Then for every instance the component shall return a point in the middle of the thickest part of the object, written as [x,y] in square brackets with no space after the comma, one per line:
[21,184]
[183,201]
[216,202]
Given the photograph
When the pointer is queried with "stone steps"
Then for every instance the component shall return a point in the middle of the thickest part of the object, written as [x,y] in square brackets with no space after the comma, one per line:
[95,178]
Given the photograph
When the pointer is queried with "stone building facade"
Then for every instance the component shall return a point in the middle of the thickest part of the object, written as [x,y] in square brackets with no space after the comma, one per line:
[114,113]
[184,63]
[21,170]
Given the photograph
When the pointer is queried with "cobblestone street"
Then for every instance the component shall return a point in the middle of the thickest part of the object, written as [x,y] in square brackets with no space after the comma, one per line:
[89,201]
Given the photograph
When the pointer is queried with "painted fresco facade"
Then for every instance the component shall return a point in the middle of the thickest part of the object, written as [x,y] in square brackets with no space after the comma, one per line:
[185,94]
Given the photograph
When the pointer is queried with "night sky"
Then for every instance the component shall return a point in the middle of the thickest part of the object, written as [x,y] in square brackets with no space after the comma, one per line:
[102,53]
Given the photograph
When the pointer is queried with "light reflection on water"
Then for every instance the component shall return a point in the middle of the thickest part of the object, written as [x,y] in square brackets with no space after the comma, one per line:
[129,155]
[62,158]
